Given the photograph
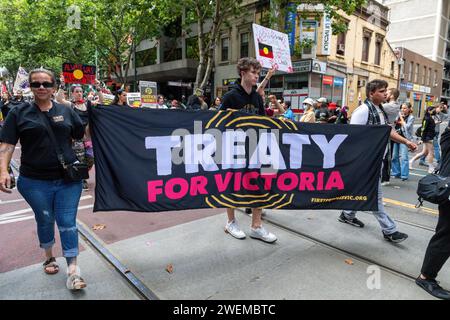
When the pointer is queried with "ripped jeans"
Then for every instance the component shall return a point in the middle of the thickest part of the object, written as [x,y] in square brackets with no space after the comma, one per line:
[53,200]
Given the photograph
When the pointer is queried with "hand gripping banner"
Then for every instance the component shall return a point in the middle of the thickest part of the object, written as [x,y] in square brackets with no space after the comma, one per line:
[161,160]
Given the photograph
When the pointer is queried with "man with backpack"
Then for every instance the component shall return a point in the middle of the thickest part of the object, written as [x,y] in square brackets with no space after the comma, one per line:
[371,112]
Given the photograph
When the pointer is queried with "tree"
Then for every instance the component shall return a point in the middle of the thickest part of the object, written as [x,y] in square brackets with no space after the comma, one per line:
[222,12]
[36,33]
[117,28]
[219,12]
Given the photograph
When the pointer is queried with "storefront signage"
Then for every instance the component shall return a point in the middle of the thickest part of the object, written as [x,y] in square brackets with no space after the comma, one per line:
[417,96]
[319,66]
[178,84]
[327,80]
[290,24]
[338,82]
[227,82]
[326,36]
[302,66]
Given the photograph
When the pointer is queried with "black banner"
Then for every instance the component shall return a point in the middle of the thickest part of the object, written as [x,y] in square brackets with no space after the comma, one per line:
[161,160]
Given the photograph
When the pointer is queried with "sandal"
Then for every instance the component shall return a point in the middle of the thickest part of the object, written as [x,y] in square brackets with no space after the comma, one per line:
[50,266]
[75,282]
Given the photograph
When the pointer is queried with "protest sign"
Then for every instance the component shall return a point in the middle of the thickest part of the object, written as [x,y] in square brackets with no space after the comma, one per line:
[272,48]
[231,159]
[78,73]
[134,99]
[149,94]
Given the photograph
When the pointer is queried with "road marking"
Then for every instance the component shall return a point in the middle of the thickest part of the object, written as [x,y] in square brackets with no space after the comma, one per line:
[410,206]
[19,200]
[418,175]
[20,217]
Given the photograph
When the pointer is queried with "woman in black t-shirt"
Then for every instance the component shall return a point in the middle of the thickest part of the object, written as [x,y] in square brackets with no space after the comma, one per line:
[41,180]
[427,136]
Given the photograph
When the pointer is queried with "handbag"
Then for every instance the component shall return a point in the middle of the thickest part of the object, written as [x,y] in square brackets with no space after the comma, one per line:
[72,172]
[433,188]
[419,132]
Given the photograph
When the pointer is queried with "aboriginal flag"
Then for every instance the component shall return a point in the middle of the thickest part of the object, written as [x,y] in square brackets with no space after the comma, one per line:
[265,50]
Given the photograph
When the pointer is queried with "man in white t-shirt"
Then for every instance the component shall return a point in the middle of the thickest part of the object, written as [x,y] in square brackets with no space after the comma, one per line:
[371,113]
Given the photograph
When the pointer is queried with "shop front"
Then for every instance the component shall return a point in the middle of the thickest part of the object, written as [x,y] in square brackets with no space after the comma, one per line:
[419,96]
[311,78]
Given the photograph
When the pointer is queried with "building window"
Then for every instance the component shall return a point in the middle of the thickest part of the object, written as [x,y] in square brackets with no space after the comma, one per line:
[276,82]
[296,81]
[392,68]
[172,53]
[424,75]
[378,48]
[435,78]
[145,57]
[244,44]
[411,71]
[224,49]
[416,75]
[340,49]
[429,77]
[366,46]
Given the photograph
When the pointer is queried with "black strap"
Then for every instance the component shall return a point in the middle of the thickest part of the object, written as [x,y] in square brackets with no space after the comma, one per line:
[46,123]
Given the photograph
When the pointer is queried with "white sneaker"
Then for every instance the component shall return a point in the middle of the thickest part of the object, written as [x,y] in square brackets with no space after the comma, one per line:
[262,234]
[386,183]
[233,229]
[431,168]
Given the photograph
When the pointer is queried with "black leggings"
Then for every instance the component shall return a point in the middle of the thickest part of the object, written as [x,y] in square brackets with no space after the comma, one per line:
[438,250]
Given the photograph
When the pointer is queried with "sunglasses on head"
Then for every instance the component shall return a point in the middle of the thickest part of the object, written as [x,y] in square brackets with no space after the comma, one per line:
[45,84]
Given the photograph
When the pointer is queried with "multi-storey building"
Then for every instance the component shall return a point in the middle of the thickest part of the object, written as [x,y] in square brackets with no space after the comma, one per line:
[335,66]
[420,80]
[423,27]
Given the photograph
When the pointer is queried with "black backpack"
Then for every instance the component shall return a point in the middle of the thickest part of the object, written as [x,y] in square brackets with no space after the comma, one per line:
[433,188]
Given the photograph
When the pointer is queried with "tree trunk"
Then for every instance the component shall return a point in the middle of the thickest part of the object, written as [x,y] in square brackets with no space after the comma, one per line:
[212,43]
[201,49]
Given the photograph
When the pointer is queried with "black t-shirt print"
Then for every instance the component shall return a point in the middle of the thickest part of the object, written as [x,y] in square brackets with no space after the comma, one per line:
[39,159]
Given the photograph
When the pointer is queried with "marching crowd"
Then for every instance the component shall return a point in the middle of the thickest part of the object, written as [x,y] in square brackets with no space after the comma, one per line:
[44,184]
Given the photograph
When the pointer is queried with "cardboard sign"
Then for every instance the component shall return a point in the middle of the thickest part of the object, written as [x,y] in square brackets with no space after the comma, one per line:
[272,48]
[134,99]
[78,73]
[149,93]
[108,99]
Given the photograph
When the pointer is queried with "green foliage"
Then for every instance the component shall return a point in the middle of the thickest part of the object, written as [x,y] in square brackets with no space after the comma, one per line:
[331,7]
[36,33]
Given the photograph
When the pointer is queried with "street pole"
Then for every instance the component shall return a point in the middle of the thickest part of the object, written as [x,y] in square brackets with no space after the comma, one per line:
[134,64]
[96,50]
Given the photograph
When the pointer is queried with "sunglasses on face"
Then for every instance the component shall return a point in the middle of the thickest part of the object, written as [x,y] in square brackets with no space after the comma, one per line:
[37,85]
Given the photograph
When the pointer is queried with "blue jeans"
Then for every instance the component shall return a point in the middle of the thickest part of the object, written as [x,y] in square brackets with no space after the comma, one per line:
[400,161]
[53,200]
[437,149]
[388,226]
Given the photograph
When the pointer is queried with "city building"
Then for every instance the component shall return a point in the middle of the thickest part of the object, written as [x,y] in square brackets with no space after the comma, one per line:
[420,80]
[334,66]
[423,27]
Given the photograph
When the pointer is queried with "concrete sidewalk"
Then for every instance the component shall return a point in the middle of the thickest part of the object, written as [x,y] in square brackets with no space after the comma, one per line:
[209,264]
